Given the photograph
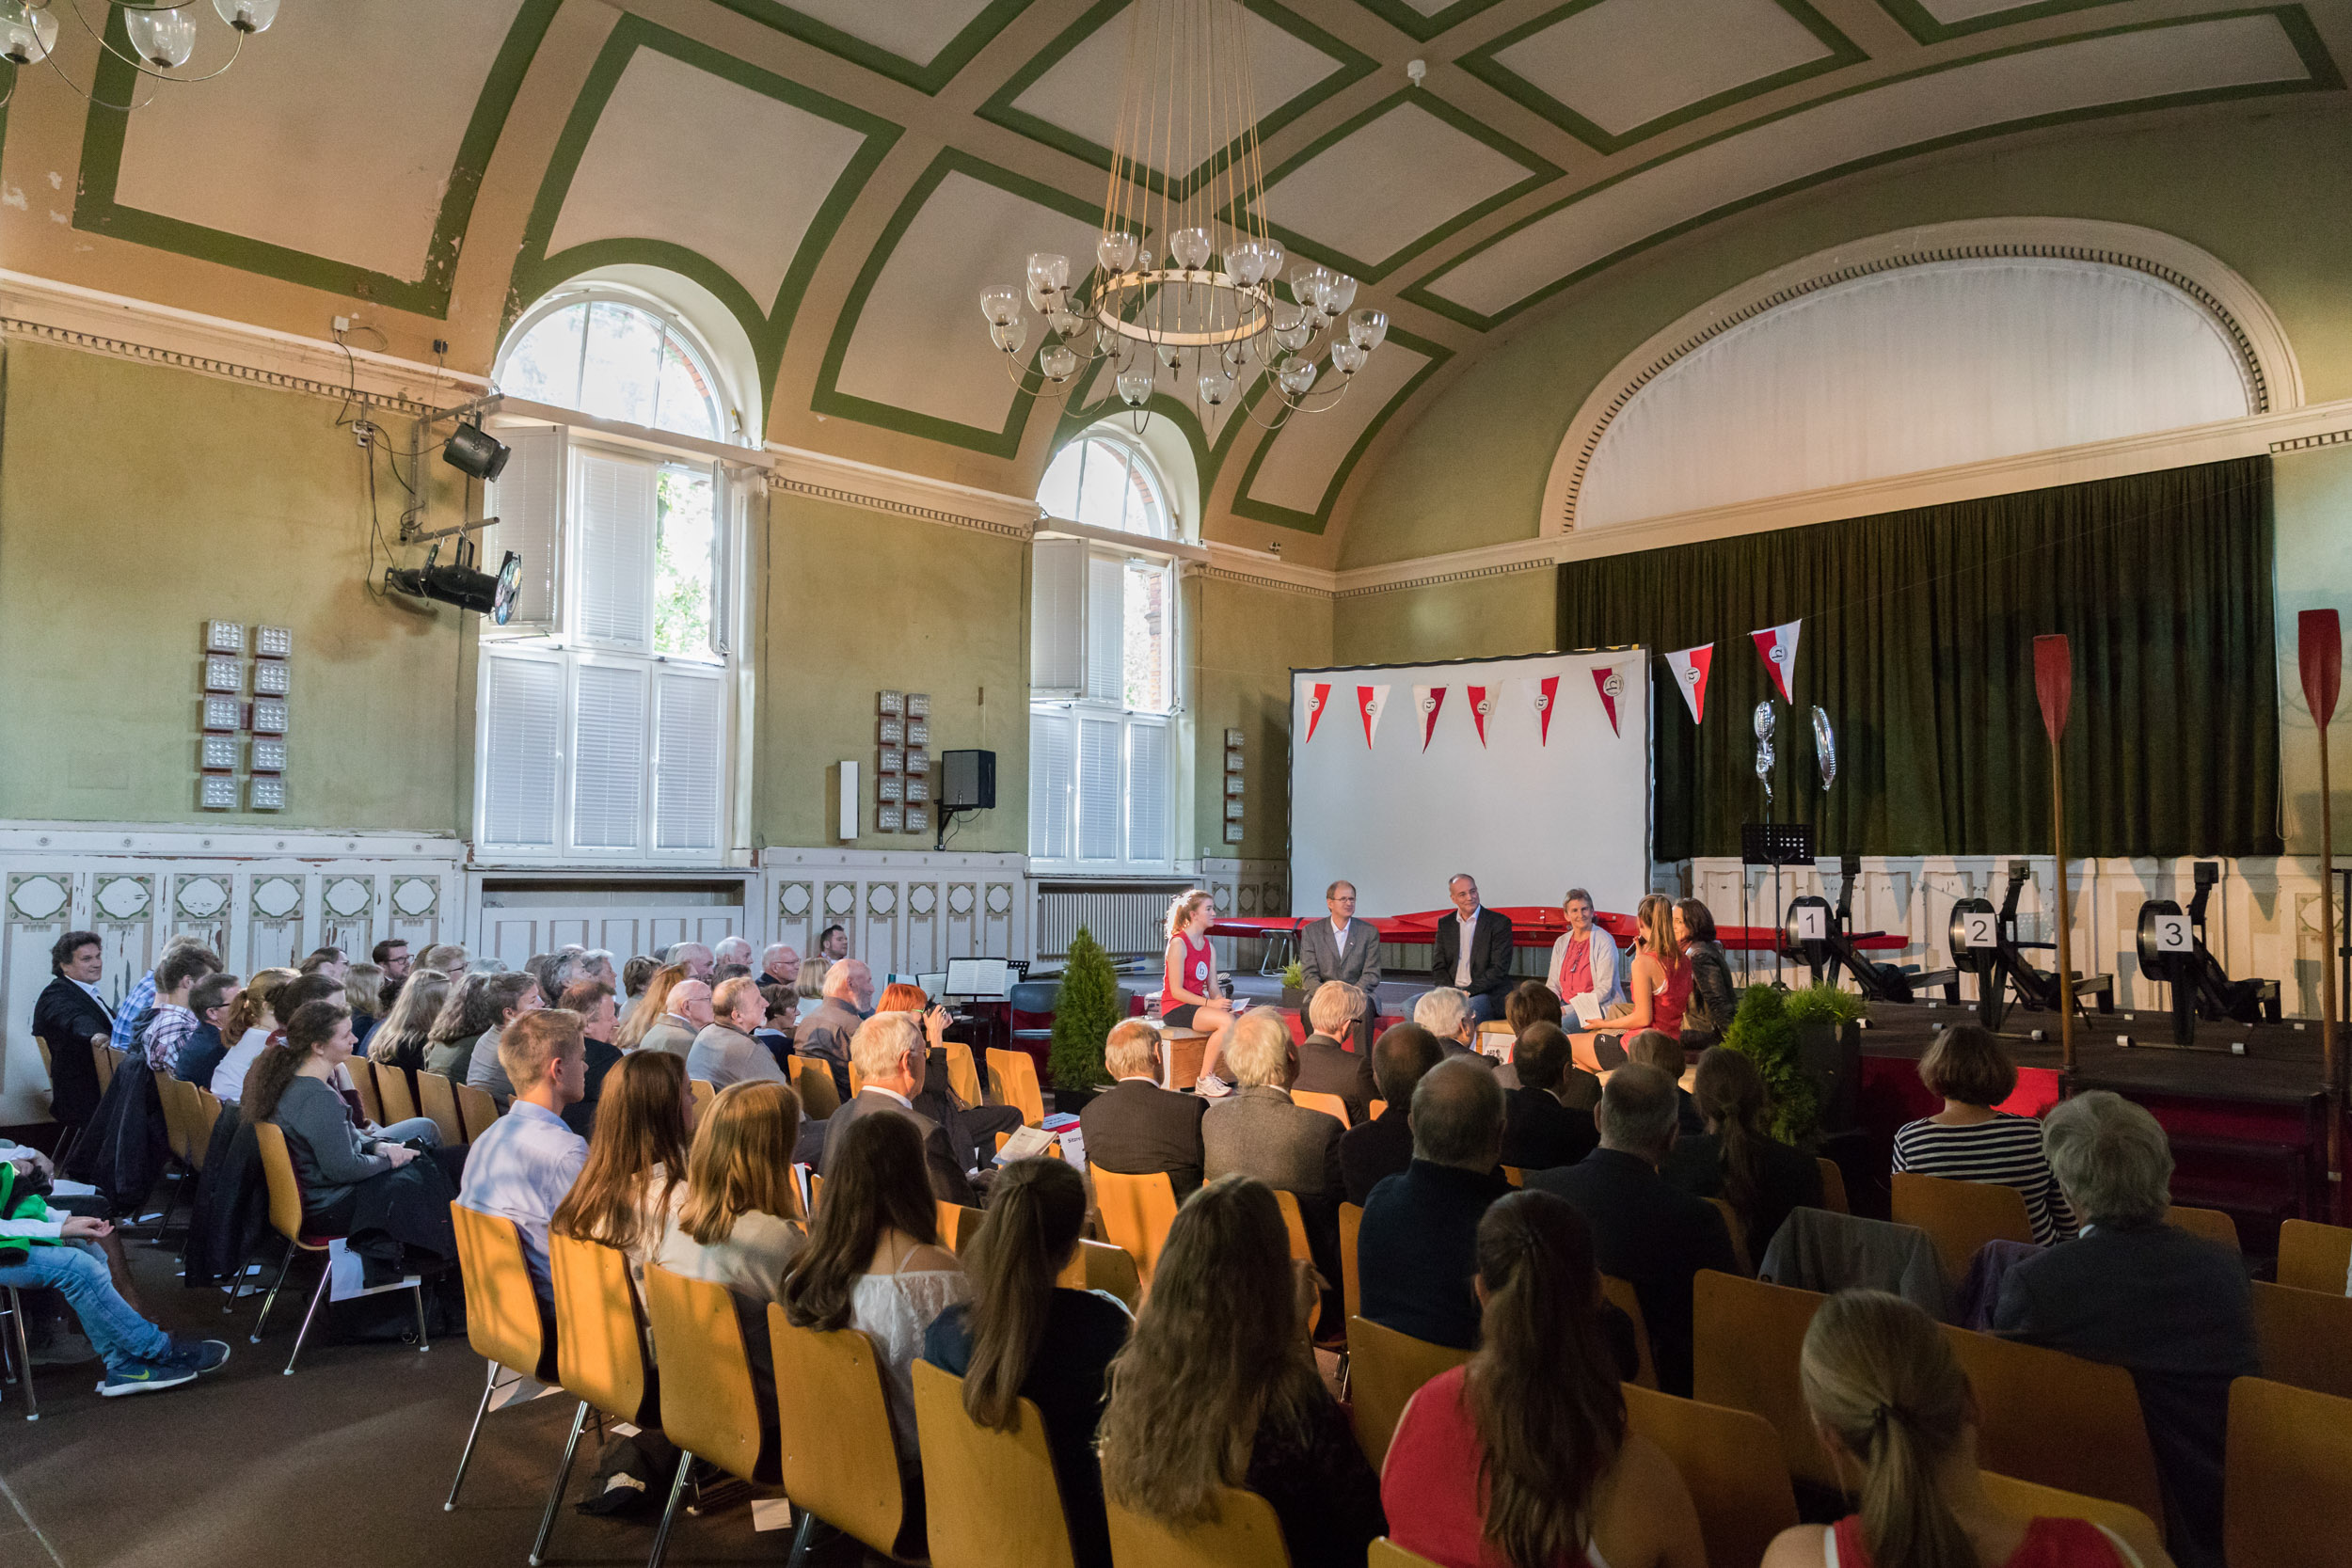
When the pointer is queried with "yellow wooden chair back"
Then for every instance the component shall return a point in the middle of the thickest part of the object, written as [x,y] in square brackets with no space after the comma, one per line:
[963,1077]
[1385,1370]
[1739,1234]
[2211,1224]
[708,1405]
[391,1090]
[502,1321]
[2285,1504]
[2034,1502]
[812,1079]
[2315,1256]
[2059,1420]
[1376,1109]
[1961,1216]
[1385,1553]
[1746,1336]
[1730,1460]
[1833,1186]
[704,1093]
[599,1334]
[476,1109]
[1351,1249]
[179,1107]
[994,1490]
[438,1098]
[1136,1211]
[1101,1266]
[1516,1175]
[2305,1336]
[285,1189]
[1621,1294]
[107,1059]
[839,1460]
[1329,1104]
[1293,1221]
[363,1084]
[1012,1080]
[206,1112]
[1246,1533]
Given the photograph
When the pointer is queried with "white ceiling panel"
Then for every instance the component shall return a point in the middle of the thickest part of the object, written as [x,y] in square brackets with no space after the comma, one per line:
[1624,63]
[1310,448]
[2152,62]
[682,155]
[1388,183]
[914,30]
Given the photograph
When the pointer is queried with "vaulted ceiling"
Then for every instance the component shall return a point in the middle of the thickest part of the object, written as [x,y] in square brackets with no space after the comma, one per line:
[844,175]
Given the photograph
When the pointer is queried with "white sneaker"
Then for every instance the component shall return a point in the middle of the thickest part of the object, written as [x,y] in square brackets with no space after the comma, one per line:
[1210,1086]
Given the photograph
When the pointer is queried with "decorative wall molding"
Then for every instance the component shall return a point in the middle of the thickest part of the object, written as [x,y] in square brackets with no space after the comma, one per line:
[223,842]
[1263,569]
[1430,571]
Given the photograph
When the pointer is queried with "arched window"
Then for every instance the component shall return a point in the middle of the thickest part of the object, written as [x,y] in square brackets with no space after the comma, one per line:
[617,356]
[1105,480]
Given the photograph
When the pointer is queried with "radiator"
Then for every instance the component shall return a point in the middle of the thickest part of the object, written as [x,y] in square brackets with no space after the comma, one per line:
[1128,919]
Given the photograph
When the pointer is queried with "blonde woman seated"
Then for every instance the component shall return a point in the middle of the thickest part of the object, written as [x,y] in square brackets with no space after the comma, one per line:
[1192,994]
[1896,1415]
[1522,1459]
[650,1004]
[400,1040]
[247,1029]
[629,1189]
[734,1225]
[1658,990]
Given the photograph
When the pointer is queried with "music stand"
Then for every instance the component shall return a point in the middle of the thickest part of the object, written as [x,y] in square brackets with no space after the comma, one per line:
[1773,844]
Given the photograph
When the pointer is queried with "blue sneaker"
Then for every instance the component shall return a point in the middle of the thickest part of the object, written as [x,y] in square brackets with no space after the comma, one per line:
[145,1377]
[202,1355]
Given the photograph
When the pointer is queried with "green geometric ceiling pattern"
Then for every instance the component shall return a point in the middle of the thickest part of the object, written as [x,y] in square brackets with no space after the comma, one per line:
[844,175]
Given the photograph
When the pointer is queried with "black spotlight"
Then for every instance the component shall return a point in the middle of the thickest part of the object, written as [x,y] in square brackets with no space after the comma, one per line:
[462,585]
[474,450]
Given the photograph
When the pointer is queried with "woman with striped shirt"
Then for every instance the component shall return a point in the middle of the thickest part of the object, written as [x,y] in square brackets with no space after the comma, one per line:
[1970,1141]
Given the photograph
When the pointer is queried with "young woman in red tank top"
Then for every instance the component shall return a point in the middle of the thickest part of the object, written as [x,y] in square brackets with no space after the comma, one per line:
[1658,987]
[1191,996]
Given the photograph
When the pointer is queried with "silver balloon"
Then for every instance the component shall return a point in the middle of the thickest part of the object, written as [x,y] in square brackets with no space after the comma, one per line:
[1824,746]
[1764,755]
[1765,719]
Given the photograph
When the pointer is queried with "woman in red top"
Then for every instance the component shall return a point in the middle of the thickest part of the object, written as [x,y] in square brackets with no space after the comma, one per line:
[1521,1459]
[1896,1414]
[1660,989]
[1190,994]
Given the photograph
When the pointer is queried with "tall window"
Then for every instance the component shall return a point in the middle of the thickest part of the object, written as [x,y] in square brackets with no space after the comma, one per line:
[617,358]
[1102,673]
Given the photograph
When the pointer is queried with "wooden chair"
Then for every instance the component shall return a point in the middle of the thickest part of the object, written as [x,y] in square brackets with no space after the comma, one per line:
[1833,1186]
[1351,1241]
[1621,1295]
[600,1351]
[1385,1370]
[812,1079]
[285,1217]
[208,1109]
[838,1461]
[857,1080]
[2033,1501]
[1385,1553]
[1246,1533]
[963,1076]
[107,1059]
[477,1109]
[2305,1336]
[1376,1109]
[1293,1221]
[1329,1104]
[1516,1175]
[1012,1081]
[2313,1257]
[996,1489]
[1099,1266]
[958,1223]
[703,1092]
[2284,1501]
[438,1098]
[2211,1224]
[1136,1211]
[1961,1216]
[1738,1235]
[363,1084]
[391,1088]
[1746,1337]
[2059,1420]
[181,1116]
[1730,1460]
[502,1322]
[707,1407]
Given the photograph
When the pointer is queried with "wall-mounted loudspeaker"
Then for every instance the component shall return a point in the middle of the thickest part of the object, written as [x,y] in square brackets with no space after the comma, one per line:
[967,781]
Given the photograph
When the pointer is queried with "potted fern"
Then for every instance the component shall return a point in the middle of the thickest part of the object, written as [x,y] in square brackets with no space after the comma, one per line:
[1294,985]
[1084,1014]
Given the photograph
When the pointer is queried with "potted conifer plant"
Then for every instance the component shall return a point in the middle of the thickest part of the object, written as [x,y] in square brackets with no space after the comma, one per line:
[1084,1015]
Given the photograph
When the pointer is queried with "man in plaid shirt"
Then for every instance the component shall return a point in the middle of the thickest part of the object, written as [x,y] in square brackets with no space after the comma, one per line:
[131,1017]
[172,1022]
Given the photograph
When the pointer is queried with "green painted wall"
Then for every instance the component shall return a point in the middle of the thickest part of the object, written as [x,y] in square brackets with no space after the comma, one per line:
[2268,190]
[1477,618]
[135,502]
[1249,640]
[858,602]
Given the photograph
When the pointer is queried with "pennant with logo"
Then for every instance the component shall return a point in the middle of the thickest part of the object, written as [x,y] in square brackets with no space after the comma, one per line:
[1371,702]
[1778,645]
[1690,668]
[1610,681]
[1318,697]
[1543,695]
[1427,699]
[1482,703]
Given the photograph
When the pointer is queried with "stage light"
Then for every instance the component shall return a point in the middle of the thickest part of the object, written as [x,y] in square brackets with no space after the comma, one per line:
[476,452]
[461,585]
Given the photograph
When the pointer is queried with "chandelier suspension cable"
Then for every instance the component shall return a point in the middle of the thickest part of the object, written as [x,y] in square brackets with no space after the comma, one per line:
[134,61]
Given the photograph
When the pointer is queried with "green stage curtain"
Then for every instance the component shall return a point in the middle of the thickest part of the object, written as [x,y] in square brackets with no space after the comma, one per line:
[1918,643]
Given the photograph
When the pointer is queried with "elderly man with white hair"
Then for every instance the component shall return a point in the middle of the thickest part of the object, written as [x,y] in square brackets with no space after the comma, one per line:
[1326,1065]
[732,950]
[893,1055]
[1257,1131]
[780,965]
[1446,1013]
[697,959]
[827,1032]
[1137,1128]
[2134,1292]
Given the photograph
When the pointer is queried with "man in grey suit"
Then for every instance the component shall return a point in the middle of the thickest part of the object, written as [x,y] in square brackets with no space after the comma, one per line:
[724,1052]
[889,1050]
[1346,949]
[689,1016]
[827,1032]
[1257,1132]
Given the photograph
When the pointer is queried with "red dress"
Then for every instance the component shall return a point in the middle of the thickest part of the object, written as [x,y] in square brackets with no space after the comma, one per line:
[2048,1544]
[1429,1483]
[1669,1001]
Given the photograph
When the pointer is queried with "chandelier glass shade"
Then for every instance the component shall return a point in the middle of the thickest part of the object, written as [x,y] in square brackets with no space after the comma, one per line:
[1186,290]
[160,37]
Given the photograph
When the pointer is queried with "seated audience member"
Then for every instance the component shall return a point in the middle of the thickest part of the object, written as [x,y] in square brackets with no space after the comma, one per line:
[722,973]
[697,961]
[1135,1128]
[1445,1013]
[731,953]
[333,962]
[1023,1336]
[1473,950]
[1584,960]
[1326,1066]
[725,1052]
[1714,997]
[247,1029]
[687,1014]
[1416,1252]
[1656,1048]
[391,1202]
[391,956]
[1529,1003]
[1541,1128]
[363,982]
[827,1030]
[1192,991]
[891,1054]
[778,1013]
[465,1012]
[513,995]
[524,1164]
[779,965]
[636,1163]
[1384,1145]
[1895,1414]
[1217,1388]
[648,1009]
[834,944]
[1736,1158]
[1259,1132]
[73,1018]
[400,1040]
[2141,1294]
[1658,990]
[592,1000]
[1644,1232]
[130,1018]
[171,1023]
[635,975]
[1970,1141]
[971,1130]
[809,989]
[285,999]
[1524,1457]
[448,958]
[214,998]
[734,1225]
[873,1261]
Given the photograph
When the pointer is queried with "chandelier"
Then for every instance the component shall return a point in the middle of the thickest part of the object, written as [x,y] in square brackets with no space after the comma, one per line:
[1187,174]
[162,38]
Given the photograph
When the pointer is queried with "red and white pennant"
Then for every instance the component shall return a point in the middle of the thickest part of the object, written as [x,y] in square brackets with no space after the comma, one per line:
[1690,670]
[1371,702]
[1427,699]
[1778,645]
[1318,697]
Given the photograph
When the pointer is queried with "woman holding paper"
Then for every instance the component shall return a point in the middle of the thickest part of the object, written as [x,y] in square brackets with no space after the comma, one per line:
[1585,963]
[1658,991]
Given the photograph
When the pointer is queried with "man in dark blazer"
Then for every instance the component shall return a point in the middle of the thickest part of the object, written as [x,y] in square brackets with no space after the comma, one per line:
[1384,1145]
[890,1051]
[2173,1311]
[1137,1128]
[1343,948]
[1540,1129]
[1644,1232]
[70,1016]
[1257,1131]
[1328,1067]
[1418,1250]
[1473,951]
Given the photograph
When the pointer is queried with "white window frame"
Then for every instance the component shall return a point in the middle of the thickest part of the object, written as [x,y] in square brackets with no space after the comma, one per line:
[725,407]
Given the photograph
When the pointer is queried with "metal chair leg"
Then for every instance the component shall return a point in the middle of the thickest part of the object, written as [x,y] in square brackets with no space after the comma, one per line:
[555,1492]
[326,1276]
[23,1355]
[801,1534]
[678,1486]
[465,1457]
[424,1335]
[271,1300]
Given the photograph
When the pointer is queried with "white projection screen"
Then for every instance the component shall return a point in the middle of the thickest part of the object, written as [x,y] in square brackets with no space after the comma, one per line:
[1529,814]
